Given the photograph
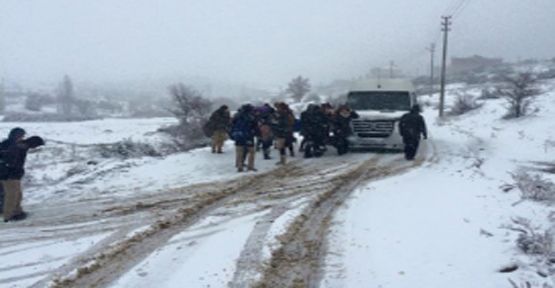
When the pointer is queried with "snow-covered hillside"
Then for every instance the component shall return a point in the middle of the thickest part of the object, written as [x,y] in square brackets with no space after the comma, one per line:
[450,223]
[453,218]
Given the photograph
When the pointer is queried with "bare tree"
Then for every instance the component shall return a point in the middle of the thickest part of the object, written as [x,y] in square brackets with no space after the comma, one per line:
[519,91]
[65,96]
[192,111]
[189,105]
[298,87]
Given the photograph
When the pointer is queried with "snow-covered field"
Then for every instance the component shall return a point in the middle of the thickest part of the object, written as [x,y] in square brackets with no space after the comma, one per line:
[445,222]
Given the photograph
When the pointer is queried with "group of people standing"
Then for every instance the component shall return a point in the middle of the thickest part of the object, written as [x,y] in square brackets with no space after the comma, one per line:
[251,128]
[266,126]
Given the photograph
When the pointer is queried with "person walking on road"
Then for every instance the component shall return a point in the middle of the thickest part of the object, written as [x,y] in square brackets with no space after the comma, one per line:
[411,127]
[13,153]
[265,116]
[243,129]
[281,128]
[342,128]
[219,123]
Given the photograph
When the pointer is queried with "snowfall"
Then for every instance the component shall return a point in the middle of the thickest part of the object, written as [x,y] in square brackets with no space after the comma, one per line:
[450,222]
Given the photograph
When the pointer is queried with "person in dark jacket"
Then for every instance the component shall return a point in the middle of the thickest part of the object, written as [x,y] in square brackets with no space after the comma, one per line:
[282,129]
[290,140]
[219,121]
[1,199]
[243,129]
[14,153]
[314,129]
[342,128]
[411,127]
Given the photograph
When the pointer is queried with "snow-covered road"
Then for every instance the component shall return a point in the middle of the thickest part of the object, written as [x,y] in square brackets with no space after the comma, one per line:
[361,220]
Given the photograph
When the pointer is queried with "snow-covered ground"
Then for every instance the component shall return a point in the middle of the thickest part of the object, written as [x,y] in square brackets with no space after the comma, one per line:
[441,224]
[445,224]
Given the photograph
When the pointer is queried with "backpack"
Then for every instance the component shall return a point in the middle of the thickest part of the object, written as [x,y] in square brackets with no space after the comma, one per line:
[1,198]
[240,131]
[4,167]
[208,129]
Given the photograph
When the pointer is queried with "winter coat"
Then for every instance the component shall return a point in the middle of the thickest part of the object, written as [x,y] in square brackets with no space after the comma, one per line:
[243,128]
[220,120]
[315,124]
[281,126]
[342,125]
[412,125]
[265,117]
[14,154]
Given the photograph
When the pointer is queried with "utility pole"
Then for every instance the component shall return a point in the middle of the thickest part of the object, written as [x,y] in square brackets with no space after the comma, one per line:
[432,50]
[446,28]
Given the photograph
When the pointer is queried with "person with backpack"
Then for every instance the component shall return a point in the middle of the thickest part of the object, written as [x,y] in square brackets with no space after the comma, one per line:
[315,131]
[290,139]
[243,129]
[411,127]
[219,124]
[1,199]
[13,153]
[281,128]
[265,118]
[342,128]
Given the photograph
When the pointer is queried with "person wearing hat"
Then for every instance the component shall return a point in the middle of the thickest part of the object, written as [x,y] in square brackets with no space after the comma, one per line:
[13,152]
[411,127]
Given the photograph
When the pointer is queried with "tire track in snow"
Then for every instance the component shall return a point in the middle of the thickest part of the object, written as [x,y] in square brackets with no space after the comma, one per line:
[298,261]
[107,265]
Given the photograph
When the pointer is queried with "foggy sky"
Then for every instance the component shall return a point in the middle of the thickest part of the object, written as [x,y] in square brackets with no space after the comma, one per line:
[255,41]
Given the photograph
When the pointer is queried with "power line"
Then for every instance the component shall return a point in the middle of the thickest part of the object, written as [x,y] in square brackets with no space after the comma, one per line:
[457,13]
[453,7]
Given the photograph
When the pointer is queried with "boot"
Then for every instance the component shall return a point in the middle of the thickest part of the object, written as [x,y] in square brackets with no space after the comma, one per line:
[239,151]
[282,160]
[250,158]
[267,154]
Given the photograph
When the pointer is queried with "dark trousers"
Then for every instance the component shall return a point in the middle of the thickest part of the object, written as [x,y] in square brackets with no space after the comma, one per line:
[411,146]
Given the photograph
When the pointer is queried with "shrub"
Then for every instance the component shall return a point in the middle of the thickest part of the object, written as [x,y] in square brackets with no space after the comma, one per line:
[534,187]
[489,94]
[186,137]
[531,240]
[463,104]
[519,92]
[127,149]
[35,102]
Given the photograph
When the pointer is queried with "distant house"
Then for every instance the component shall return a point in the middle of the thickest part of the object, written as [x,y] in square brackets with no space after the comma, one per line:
[464,64]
